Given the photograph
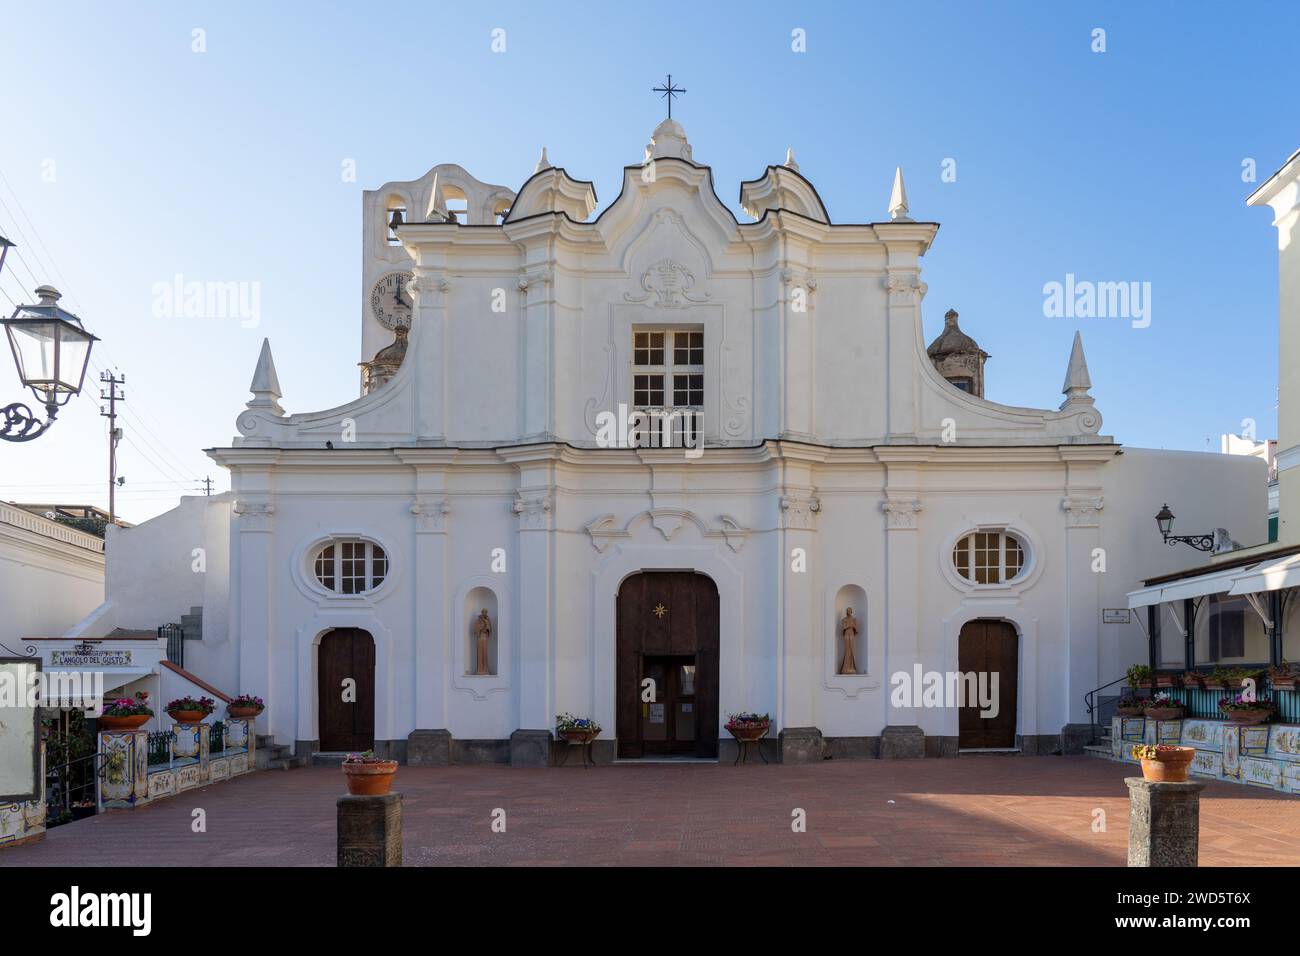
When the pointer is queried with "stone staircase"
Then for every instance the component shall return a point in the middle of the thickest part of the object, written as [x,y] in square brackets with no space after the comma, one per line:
[328,758]
[273,756]
[1102,747]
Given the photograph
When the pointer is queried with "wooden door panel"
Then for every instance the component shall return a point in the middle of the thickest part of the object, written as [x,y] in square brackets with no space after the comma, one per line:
[346,725]
[988,647]
[687,627]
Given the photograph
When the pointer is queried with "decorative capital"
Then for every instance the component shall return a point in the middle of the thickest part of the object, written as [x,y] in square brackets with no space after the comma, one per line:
[538,277]
[799,511]
[905,288]
[254,515]
[900,513]
[532,510]
[430,514]
[1082,512]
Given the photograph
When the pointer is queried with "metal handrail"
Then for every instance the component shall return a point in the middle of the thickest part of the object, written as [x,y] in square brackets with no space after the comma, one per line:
[1090,701]
[58,792]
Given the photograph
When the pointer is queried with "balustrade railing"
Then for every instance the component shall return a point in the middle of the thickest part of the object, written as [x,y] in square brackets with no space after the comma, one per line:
[160,747]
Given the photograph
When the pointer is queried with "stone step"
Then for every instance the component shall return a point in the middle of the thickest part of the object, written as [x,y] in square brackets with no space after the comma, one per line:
[328,758]
[1098,750]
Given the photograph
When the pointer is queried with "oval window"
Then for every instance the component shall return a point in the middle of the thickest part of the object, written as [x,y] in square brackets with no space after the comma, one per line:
[351,566]
[989,557]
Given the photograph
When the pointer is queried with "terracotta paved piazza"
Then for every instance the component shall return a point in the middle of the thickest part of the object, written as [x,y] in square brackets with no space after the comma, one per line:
[976,810]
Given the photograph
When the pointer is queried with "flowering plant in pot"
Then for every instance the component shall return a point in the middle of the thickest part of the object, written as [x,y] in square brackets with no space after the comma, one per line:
[1240,710]
[1164,707]
[576,729]
[1164,763]
[1130,705]
[1231,678]
[190,710]
[748,726]
[1282,678]
[126,713]
[1139,675]
[368,775]
[245,705]
[1194,679]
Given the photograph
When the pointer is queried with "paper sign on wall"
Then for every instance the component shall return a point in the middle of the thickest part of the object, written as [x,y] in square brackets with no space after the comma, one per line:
[657,713]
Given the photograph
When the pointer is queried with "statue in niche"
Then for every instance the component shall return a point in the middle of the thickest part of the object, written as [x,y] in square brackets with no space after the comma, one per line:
[482,631]
[849,631]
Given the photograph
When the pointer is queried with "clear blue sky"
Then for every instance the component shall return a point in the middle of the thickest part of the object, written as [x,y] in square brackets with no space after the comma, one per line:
[225,166]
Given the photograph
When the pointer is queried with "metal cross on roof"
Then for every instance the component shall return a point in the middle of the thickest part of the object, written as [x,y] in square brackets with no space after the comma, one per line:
[669,91]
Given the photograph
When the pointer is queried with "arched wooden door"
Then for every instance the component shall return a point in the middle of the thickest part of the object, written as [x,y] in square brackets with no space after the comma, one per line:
[667,633]
[988,647]
[346,712]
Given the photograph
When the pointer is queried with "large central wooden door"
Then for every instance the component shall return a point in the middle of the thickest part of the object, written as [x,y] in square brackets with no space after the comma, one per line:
[985,648]
[346,711]
[667,633]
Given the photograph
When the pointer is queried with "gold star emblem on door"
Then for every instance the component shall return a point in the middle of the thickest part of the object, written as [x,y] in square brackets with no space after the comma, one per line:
[660,610]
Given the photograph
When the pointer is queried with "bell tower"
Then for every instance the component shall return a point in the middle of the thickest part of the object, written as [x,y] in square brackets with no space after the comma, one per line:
[958,357]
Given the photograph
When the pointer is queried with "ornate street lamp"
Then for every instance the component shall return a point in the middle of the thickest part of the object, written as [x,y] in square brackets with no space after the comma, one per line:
[51,351]
[1165,521]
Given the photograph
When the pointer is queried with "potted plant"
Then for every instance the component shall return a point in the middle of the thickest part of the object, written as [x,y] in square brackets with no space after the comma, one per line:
[747,726]
[126,713]
[245,705]
[1216,679]
[1130,705]
[1166,679]
[1139,675]
[1164,707]
[576,730]
[1282,678]
[1194,679]
[1239,710]
[190,710]
[1164,763]
[1232,678]
[368,775]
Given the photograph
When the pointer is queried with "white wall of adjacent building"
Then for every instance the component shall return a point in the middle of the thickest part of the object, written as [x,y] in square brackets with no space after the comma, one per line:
[51,576]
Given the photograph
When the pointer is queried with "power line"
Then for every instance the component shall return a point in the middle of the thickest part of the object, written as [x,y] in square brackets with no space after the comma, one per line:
[51,267]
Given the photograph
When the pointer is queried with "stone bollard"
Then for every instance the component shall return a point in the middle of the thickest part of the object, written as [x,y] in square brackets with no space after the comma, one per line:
[370,830]
[1164,822]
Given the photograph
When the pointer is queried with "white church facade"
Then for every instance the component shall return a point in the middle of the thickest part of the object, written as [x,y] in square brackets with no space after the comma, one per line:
[830,464]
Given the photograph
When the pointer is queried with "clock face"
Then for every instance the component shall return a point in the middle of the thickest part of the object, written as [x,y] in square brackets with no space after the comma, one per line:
[390,300]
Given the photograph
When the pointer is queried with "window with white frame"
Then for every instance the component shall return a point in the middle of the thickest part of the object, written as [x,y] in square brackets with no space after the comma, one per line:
[668,384]
[989,557]
[351,566]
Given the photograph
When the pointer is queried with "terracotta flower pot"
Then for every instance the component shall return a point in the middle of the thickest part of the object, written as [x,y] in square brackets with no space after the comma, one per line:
[133,722]
[1172,766]
[752,732]
[1128,711]
[1247,716]
[370,779]
[186,716]
[243,711]
[1164,713]
[578,736]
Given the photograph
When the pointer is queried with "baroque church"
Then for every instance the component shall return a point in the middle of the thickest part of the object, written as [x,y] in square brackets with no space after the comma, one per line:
[801,510]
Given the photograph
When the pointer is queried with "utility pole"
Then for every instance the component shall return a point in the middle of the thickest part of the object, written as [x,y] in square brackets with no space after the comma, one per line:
[207,487]
[111,382]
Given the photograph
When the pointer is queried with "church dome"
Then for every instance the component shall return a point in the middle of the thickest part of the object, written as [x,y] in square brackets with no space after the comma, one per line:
[958,357]
[952,338]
